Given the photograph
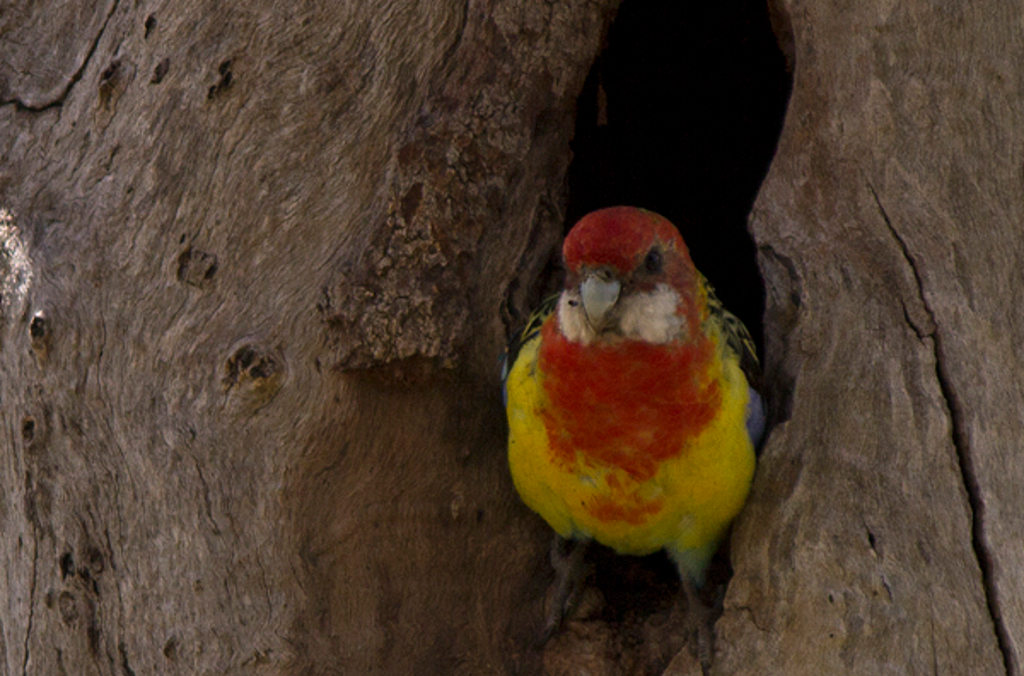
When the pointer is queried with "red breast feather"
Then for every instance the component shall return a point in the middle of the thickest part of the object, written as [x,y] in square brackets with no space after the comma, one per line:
[626,404]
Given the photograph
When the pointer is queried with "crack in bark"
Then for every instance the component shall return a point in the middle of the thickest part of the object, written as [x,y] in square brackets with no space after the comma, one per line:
[265,586]
[921,333]
[968,472]
[75,77]
[117,588]
[31,602]
[206,496]
[457,42]
[126,668]
[747,610]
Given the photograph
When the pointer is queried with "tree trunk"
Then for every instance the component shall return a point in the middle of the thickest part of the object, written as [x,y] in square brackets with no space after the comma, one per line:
[250,331]
[884,532]
[253,289]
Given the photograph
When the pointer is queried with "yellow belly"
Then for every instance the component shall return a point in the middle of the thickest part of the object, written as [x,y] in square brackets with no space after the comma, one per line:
[685,507]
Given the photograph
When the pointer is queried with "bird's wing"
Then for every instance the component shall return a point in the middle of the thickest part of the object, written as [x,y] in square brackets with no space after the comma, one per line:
[737,337]
[524,335]
[740,342]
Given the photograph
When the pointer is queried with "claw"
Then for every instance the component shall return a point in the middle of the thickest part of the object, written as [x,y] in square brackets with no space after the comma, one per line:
[568,560]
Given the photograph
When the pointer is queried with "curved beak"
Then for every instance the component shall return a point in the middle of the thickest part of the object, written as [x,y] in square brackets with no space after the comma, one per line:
[599,293]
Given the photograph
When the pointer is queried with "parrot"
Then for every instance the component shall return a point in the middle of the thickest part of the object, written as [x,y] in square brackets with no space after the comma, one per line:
[632,404]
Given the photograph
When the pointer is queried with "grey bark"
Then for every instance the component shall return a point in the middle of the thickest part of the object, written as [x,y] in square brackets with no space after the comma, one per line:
[884,533]
[250,331]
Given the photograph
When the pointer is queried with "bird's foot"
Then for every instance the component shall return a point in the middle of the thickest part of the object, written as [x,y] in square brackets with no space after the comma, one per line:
[571,571]
[699,620]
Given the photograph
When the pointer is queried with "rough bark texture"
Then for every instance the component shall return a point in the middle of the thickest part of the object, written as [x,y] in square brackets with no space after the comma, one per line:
[884,533]
[241,231]
[251,304]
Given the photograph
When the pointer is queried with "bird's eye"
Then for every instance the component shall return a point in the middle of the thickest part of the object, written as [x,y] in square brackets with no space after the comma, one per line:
[573,303]
[652,263]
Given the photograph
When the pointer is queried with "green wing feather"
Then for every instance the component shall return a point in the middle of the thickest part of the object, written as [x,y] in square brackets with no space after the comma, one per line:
[737,337]
[527,333]
[739,341]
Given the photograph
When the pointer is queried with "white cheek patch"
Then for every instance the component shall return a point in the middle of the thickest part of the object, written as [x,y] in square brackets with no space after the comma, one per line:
[651,317]
[573,320]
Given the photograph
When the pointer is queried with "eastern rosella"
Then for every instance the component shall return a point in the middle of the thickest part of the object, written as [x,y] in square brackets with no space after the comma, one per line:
[632,420]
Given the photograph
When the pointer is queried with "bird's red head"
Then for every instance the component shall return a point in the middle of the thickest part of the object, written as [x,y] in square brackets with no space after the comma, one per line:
[621,238]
